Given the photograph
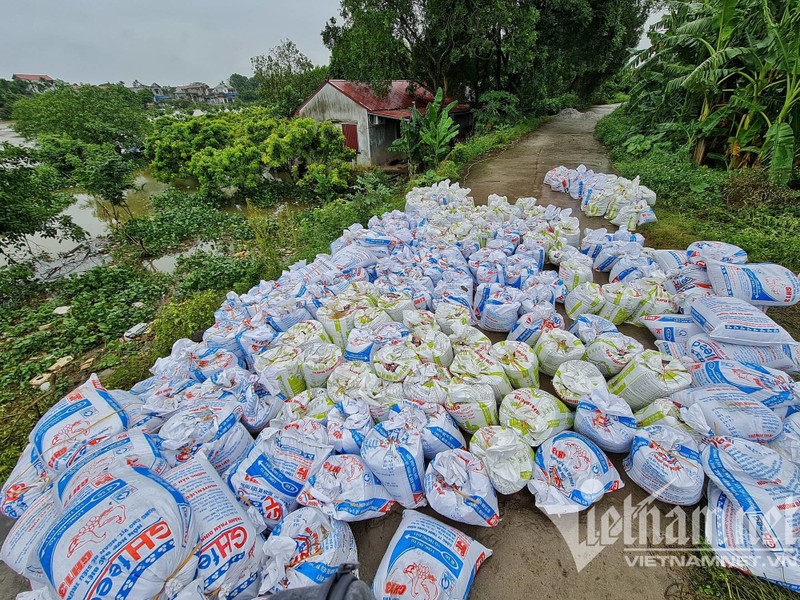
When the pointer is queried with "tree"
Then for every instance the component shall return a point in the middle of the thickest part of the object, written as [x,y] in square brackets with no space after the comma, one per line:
[286,77]
[12,90]
[30,199]
[105,174]
[111,115]
[246,87]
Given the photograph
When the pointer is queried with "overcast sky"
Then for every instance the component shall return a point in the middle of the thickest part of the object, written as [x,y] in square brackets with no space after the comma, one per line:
[171,42]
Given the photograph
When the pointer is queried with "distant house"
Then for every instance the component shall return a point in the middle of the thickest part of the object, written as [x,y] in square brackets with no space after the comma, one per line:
[38,83]
[159,91]
[221,94]
[194,92]
[370,123]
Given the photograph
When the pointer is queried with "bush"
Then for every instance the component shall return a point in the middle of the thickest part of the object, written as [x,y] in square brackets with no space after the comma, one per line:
[201,271]
[497,109]
[184,319]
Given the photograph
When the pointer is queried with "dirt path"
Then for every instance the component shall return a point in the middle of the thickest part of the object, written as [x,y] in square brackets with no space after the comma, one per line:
[531,557]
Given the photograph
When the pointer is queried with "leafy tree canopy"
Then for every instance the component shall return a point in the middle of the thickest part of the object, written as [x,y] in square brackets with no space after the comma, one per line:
[95,115]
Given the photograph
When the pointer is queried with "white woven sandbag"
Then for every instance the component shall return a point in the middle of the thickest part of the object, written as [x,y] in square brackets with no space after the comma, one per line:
[556,346]
[465,337]
[432,347]
[607,420]
[369,316]
[303,334]
[27,482]
[671,327]
[497,307]
[353,379]
[771,387]
[587,327]
[519,363]
[736,542]
[268,479]
[656,299]
[428,384]
[230,554]
[760,482]
[704,349]
[337,317]
[346,490]
[534,414]
[420,320]
[650,375]
[611,352]
[457,486]
[665,462]
[290,560]
[393,452]
[762,284]
[348,423]
[725,410]
[570,474]
[701,252]
[479,367]
[507,458]
[447,315]
[87,414]
[314,403]
[586,298]
[529,326]
[576,379]
[661,409]
[394,303]
[22,541]
[787,444]
[394,362]
[427,558]
[472,405]
[575,270]
[620,301]
[281,365]
[318,362]
[735,321]
[134,522]
[668,260]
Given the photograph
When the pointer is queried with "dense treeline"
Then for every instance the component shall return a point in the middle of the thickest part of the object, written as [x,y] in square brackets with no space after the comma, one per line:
[723,78]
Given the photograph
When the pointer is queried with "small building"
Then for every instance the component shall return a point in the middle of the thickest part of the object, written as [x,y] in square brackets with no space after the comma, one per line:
[194,92]
[222,93]
[371,123]
[38,83]
[159,91]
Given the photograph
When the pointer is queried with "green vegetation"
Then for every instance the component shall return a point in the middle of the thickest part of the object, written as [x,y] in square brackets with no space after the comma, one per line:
[723,78]
[10,91]
[536,50]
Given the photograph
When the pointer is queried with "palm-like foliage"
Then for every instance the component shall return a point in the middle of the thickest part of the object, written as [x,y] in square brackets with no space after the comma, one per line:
[730,69]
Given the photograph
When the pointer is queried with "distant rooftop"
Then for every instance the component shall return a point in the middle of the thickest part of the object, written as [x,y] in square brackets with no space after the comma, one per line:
[24,77]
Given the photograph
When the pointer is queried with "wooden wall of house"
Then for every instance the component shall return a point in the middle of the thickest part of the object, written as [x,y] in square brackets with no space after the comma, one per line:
[381,137]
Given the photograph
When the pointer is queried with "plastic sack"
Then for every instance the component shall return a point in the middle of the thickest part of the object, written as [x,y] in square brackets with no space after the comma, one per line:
[529,327]
[576,379]
[479,367]
[94,545]
[611,352]
[607,420]
[394,303]
[771,387]
[395,362]
[281,365]
[457,486]
[432,347]
[319,361]
[497,307]
[314,403]
[650,375]
[727,411]
[570,474]
[472,405]
[229,557]
[87,414]
[22,541]
[507,458]
[346,490]
[429,559]
[306,549]
[419,321]
[620,301]
[556,346]
[671,328]
[575,271]
[449,315]
[587,327]
[393,452]
[348,424]
[787,444]
[27,482]
[585,298]
[761,483]
[736,541]
[469,338]
[763,284]
[337,318]
[269,478]
[736,322]
[534,414]
[304,334]
[664,461]
[701,252]
[428,384]
[353,379]
[519,363]
[704,349]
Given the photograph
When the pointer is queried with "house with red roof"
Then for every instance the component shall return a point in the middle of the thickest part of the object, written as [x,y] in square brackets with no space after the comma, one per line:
[38,83]
[369,122]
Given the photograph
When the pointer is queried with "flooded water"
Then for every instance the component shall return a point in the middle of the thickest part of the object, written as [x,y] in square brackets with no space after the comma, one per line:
[8,135]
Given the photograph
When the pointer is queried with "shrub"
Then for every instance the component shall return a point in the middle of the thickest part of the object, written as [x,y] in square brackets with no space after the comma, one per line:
[497,109]
[184,319]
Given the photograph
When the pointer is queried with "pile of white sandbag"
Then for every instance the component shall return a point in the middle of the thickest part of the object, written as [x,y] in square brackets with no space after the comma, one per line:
[363,380]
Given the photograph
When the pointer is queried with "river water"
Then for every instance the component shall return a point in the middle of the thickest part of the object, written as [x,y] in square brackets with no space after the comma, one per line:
[61,257]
